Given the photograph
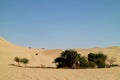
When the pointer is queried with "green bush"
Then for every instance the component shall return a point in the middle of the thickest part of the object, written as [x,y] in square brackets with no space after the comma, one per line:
[71,59]
[83,62]
[68,58]
[21,60]
[99,59]
[92,64]
[25,61]
[114,65]
[18,60]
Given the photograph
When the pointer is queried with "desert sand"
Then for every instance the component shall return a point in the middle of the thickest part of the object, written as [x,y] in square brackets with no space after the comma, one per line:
[45,57]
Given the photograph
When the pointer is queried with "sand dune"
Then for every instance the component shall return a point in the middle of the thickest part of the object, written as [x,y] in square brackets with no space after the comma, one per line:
[8,51]
[17,73]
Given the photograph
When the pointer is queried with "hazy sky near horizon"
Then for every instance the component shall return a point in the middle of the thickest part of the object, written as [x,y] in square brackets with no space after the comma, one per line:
[61,23]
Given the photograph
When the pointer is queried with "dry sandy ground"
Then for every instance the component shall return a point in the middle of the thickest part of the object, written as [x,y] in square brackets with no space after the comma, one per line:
[8,51]
[17,73]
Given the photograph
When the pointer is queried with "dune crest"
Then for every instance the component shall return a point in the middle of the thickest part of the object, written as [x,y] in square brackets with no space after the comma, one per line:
[45,57]
[8,51]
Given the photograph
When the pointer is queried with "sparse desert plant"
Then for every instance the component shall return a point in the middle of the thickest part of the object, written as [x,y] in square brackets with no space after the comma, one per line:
[21,60]
[25,61]
[114,65]
[83,62]
[111,61]
[18,60]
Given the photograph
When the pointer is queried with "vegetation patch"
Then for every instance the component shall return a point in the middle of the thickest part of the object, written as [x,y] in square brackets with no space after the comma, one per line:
[72,59]
[21,60]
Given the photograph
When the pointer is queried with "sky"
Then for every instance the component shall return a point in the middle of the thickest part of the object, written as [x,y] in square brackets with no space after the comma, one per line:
[61,24]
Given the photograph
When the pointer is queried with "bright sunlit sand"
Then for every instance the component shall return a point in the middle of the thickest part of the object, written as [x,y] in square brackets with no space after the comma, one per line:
[33,33]
[7,72]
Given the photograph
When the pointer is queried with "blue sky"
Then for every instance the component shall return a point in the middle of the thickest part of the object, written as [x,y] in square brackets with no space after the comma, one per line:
[61,23]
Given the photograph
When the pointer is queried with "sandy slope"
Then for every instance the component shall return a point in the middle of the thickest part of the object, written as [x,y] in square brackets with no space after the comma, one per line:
[8,51]
[17,73]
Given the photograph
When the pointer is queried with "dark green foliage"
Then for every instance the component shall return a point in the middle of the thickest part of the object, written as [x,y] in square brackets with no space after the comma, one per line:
[91,57]
[68,58]
[71,59]
[114,65]
[59,62]
[83,62]
[92,64]
[99,59]
[18,60]
[25,61]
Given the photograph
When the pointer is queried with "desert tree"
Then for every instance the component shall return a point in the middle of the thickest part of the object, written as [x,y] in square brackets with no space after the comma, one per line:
[25,61]
[84,63]
[18,60]
[68,58]
[98,58]
[60,62]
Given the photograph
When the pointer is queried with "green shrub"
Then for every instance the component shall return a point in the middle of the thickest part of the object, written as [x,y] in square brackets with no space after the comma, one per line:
[71,59]
[114,65]
[99,59]
[21,60]
[68,58]
[83,62]
[25,61]
[92,64]
[18,60]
